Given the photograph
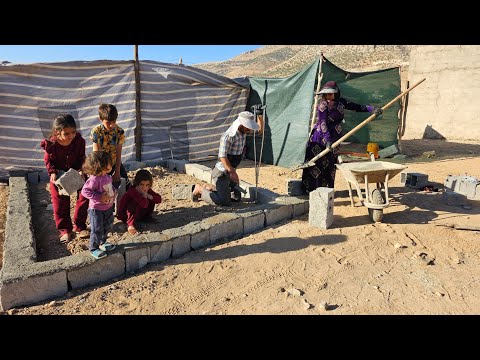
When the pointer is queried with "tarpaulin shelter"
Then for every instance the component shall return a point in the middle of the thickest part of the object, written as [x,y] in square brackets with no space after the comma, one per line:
[183,110]
[290,101]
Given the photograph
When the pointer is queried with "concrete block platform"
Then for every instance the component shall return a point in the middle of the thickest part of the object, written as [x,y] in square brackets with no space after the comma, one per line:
[24,281]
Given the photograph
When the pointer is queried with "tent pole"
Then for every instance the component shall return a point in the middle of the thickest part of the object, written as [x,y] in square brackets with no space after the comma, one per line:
[319,80]
[138,116]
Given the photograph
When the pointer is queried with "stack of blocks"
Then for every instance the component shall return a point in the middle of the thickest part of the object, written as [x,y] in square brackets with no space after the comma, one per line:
[321,207]
[465,185]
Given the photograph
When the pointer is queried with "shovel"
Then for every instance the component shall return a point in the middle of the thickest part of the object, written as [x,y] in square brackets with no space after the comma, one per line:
[311,162]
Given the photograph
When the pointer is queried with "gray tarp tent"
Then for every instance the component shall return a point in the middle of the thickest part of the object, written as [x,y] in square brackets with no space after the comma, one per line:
[184,110]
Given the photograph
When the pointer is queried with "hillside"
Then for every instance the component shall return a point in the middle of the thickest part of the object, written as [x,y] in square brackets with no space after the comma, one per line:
[285,60]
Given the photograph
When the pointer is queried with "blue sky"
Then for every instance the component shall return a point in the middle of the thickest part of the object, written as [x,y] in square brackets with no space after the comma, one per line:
[191,54]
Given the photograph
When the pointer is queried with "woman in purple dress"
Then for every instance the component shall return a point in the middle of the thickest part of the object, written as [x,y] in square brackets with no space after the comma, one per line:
[327,130]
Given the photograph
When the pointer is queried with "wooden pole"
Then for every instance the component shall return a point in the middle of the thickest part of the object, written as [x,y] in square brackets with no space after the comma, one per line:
[353,131]
[319,81]
[138,115]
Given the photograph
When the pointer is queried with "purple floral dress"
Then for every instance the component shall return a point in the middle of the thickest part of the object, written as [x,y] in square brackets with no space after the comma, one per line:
[327,129]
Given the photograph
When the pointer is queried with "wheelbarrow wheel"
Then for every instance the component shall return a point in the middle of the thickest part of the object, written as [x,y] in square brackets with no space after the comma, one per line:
[377,198]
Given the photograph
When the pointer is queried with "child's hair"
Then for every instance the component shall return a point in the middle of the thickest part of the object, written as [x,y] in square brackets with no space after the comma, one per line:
[107,112]
[142,175]
[96,162]
[62,121]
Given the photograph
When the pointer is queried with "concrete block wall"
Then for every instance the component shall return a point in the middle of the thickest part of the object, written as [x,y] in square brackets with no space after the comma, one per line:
[449,92]
[23,281]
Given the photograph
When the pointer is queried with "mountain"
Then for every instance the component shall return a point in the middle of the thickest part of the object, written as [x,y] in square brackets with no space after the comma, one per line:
[285,60]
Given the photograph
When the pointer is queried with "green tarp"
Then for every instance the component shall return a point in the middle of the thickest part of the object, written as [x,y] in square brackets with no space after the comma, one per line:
[289,108]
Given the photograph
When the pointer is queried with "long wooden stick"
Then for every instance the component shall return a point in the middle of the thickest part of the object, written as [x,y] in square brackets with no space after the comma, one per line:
[319,80]
[353,131]
[138,116]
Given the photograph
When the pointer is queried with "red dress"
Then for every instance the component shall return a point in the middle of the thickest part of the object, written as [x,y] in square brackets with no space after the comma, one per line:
[133,206]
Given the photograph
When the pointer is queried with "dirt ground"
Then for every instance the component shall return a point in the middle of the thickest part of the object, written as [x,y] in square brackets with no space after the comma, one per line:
[3,210]
[407,264]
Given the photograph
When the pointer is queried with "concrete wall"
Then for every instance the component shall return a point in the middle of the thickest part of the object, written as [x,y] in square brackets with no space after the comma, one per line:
[447,103]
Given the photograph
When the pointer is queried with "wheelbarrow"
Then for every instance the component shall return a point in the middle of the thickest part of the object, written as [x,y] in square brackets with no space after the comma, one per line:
[376,172]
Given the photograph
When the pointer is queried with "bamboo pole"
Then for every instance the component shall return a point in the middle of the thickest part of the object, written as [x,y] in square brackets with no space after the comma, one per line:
[353,131]
[138,116]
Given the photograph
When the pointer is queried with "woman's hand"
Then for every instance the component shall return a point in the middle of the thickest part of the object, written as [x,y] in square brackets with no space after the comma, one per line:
[53,177]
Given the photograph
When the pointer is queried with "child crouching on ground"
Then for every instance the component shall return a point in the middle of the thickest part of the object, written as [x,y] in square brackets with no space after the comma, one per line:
[139,201]
[98,188]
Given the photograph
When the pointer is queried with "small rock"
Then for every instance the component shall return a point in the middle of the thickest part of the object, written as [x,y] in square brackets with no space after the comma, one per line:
[244,295]
[322,286]
[225,299]
[429,154]
[281,290]
[439,294]
[44,202]
[52,303]
[323,306]
[49,207]
[306,305]
[399,246]
[295,292]
[12,311]
[467,207]
[376,287]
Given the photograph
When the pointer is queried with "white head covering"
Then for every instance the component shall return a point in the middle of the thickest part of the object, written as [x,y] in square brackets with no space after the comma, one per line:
[246,119]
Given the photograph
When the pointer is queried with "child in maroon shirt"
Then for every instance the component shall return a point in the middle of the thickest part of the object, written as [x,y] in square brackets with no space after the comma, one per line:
[64,150]
[138,202]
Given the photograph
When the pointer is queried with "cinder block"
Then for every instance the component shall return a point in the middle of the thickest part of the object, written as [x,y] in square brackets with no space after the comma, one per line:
[477,193]
[275,213]
[229,229]
[181,245]
[177,165]
[100,271]
[182,191]
[298,204]
[162,252]
[201,172]
[263,195]
[294,187]
[133,165]
[414,180]
[33,178]
[321,207]
[205,175]
[33,290]
[453,198]
[136,258]
[44,177]
[388,151]
[69,182]
[200,239]
[151,163]
[253,221]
